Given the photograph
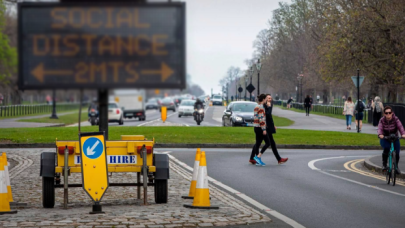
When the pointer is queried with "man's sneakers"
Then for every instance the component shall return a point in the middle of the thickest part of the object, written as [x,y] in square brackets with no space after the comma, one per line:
[282,161]
[259,161]
[253,162]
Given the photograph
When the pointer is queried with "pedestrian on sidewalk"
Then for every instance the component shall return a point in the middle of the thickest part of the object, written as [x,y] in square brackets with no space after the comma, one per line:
[390,124]
[289,102]
[359,113]
[259,126]
[271,128]
[307,104]
[348,111]
[377,108]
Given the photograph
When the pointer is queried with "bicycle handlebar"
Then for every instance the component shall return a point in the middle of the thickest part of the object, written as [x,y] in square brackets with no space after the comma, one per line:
[392,137]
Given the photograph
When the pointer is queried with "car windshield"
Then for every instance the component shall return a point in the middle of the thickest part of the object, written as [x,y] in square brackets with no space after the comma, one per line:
[217,97]
[152,100]
[113,105]
[167,100]
[244,107]
[187,103]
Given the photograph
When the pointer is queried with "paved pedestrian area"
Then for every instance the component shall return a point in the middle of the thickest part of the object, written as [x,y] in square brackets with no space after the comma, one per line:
[120,205]
[13,122]
[319,123]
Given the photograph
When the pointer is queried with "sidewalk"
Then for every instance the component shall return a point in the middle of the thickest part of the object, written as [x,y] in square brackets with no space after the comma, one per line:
[13,122]
[120,204]
[319,123]
[375,164]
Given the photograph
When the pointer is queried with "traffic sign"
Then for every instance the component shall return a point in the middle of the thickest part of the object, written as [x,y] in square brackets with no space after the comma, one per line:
[94,164]
[101,45]
[250,88]
[354,79]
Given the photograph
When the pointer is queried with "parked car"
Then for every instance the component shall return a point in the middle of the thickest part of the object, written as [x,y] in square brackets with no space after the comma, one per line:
[239,113]
[186,108]
[168,103]
[115,114]
[217,100]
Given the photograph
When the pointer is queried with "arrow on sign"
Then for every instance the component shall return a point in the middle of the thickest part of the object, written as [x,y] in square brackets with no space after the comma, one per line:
[39,72]
[165,71]
[91,151]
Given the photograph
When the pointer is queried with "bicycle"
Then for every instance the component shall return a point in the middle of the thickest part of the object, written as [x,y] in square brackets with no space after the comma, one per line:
[391,172]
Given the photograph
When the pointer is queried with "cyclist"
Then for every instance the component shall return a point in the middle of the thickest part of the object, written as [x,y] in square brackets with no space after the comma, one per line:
[389,124]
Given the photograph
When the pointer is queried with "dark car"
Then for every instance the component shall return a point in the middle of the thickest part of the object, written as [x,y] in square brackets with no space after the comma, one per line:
[168,103]
[239,113]
[152,104]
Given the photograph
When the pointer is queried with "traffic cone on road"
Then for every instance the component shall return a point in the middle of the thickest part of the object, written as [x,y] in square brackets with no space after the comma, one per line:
[4,199]
[10,193]
[193,184]
[202,193]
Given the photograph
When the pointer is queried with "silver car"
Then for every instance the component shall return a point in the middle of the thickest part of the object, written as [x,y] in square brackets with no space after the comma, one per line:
[168,103]
[186,108]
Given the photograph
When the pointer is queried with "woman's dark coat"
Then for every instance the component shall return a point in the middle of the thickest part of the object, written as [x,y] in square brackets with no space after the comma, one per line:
[269,119]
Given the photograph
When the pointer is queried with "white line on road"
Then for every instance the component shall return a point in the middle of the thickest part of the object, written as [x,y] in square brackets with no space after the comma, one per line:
[272,212]
[156,120]
[312,166]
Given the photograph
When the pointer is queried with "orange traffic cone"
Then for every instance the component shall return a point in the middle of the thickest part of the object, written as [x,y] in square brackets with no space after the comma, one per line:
[193,184]
[202,193]
[4,200]
[10,193]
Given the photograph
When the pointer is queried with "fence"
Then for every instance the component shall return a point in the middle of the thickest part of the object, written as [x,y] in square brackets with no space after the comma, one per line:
[327,109]
[21,110]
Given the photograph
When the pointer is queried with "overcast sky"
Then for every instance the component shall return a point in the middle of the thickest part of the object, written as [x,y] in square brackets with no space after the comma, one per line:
[220,34]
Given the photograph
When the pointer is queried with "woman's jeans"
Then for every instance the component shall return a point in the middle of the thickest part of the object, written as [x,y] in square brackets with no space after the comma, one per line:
[269,137]
[307,109]
[348,120]
[386,145]
[259,138]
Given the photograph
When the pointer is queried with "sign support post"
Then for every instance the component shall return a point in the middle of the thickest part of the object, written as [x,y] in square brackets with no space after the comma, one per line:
[54,116]
[358,99]
[103,116]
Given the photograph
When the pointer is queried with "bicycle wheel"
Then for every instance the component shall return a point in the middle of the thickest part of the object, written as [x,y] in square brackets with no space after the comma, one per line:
[393,170]
[388,176]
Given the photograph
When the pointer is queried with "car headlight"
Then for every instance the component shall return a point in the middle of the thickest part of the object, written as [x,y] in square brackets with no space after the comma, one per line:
[200,111]
[239,119]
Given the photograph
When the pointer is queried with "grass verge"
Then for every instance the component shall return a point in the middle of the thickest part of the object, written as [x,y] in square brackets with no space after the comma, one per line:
[282,122]
[63,119]
[215,135]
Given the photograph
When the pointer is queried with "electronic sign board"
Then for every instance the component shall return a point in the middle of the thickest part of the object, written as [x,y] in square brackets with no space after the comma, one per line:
[101,45]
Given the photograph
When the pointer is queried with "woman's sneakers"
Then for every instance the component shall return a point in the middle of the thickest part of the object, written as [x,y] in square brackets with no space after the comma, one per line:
[253,162]
[282,161]
[259,161]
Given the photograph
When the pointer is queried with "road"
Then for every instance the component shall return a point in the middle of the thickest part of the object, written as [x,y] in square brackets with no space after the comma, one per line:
[213,116]
[335,191]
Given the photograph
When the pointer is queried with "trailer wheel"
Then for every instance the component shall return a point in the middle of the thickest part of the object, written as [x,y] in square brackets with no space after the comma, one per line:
[161,191]
[48,192]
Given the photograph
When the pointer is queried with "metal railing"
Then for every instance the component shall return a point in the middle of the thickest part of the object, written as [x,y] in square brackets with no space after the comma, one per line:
[325,109]
[22,110]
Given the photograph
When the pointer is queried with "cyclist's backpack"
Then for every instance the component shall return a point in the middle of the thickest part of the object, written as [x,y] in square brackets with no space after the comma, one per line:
[361,106]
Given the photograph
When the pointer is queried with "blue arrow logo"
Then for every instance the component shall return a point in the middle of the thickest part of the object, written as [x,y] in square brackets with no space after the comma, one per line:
[93,148]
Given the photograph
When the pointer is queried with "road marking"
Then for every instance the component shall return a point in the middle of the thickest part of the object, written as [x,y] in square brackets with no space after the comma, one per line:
[312,166]
[267,210]
[351,166]
[155,120]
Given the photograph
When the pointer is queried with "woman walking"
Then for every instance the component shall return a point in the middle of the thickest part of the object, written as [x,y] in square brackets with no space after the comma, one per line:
[348,111]
[307,104]
[377,107]
[259,125]
[271,128]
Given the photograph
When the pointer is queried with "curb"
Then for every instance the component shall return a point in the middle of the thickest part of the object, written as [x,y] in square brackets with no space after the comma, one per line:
[375,168]
[202,145]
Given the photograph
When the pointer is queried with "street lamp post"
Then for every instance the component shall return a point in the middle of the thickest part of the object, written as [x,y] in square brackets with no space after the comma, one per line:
[246,81]
[251,75]
[236,90]
[227,92]
[258,67]
[300,77]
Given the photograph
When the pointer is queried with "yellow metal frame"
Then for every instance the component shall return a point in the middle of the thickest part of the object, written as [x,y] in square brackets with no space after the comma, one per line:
[125,147]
